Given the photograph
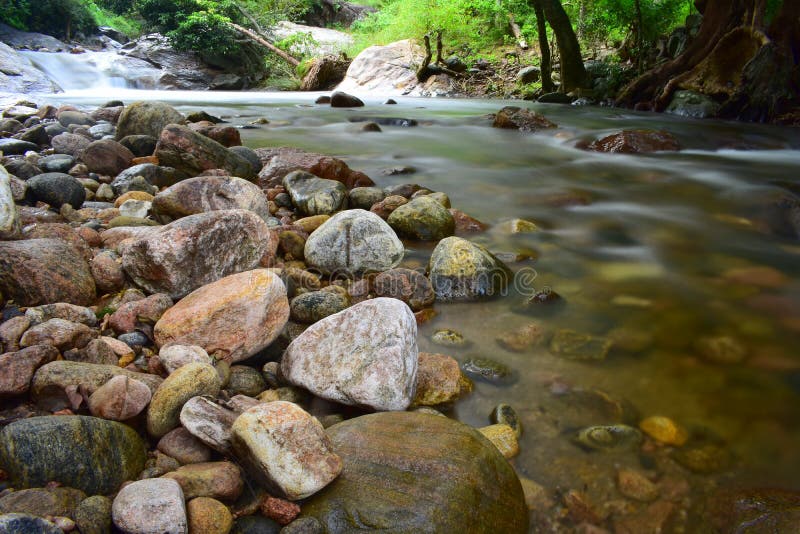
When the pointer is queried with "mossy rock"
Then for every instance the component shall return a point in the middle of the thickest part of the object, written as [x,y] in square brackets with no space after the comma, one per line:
[409,472]
[87,453]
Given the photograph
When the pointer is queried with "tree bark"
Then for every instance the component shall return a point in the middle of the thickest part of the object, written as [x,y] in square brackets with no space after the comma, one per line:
[260,40]
[544,48]
[573,73]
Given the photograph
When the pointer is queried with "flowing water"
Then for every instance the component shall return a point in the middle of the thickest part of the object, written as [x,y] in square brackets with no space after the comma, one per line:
[659,252]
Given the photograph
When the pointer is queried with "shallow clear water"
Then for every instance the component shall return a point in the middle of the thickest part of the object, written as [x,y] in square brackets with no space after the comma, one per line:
[643,248]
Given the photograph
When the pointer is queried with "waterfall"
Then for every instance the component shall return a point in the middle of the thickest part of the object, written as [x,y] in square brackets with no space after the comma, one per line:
[95,70]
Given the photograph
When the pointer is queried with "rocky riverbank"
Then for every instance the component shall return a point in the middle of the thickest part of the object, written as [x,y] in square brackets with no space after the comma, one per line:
[193,331]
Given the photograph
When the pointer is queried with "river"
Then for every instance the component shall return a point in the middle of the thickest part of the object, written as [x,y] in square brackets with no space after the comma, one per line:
[665,253]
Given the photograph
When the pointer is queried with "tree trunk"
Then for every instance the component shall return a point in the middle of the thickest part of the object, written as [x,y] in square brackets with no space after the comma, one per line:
[639,38]
[544,48]
[260,40]
[573,73]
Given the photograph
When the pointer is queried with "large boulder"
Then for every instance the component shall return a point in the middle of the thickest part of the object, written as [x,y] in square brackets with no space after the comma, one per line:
[278,162]
[461,270]
[352,243]
[146,118]
[196,250]
[392,70]
[324,73]
[286,448]
[18,75]
[234,317]
[87,453]
[364,356]
[191,153]
[44,271]
[413,472]
[210,193]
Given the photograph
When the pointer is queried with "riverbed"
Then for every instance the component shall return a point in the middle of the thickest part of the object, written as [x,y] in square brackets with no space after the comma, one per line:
[659,253]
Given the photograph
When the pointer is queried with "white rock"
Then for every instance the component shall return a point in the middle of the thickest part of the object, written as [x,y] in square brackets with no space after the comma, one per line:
[287,448]
[365,356]
[175,356]
[135,208]
[150,506]
[9,217]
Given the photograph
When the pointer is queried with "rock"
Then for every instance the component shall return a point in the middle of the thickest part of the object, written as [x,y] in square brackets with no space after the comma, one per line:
[227,136]
[184,447]
[324,73]
[692,104]
[365,197]
[635,142]
[57,189]
[250,155]
[52,381]
[386,207]
[70,144]
[653,518]
[196,250]
[173,357]
[439,380]
[19,76]
[60,231]
[521,339]
[17,368]
[315,196]
[410,286]
[143,177]
[208,516]
[316,305]
[61,310]
[466,224]
[234,317]
[664,430]
[286,448]
[278,162]
[579,346]
[352,243]
[42,501]
[56,163]
[25,523]
[63,335]
[460,270]
[209,422]
[245,381]
[96,351]
[13,146]
[135,209]
[423,218]
[146,118]
[363,356]
[703,457]
[524,120]
[636,486]
[140,145]
[457,474]
[503,437]
[489,370]
[132,315]
[210,193]
[106,269]
[218,480]
[340,99]
[86,453]
[106,156]
[79,118]
[555,97]
[190,380]
[281,511]
[608,438]
[11,331]
[93,515]
[503,414]
[255,524]
[191,153]
[150,506]
[9,217]
[119,399]
[446,337]
[724,350]
[529,74]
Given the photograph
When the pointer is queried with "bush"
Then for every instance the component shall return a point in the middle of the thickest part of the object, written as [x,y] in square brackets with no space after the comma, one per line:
[61,18]
[205,31]
[15,13]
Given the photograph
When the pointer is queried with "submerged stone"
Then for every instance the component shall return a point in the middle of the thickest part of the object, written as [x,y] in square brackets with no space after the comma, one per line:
[609,438]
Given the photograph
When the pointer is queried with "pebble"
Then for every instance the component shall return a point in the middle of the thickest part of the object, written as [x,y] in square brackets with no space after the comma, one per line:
[725,350]
[636,486]
[219,480]
[93,515]
[522,338]
[579,346]
[664,430]
[191,380]
[504,414]
[208,422]
[174,357]
[609,438]
[439,380]
[119,399]
[503,437]
[489,370]
[150,506]
[208,516]
[449,338]
[245,381]
[184,447]
[281,511]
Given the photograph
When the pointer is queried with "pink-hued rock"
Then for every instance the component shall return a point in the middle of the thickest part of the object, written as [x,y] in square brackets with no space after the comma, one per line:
[184,447]
[148,310]
[209,422]
[59,333]
[106,267]
[635,142]
[278,162]
[61,231]
[227,136]
[107,157]
[44,271]
[114,236]
[286,448]
[11,331]
[17,368]
[176,356]
[218,480]
[234,317]
[119,399]
[365,355]
[210,193]
[196,250]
